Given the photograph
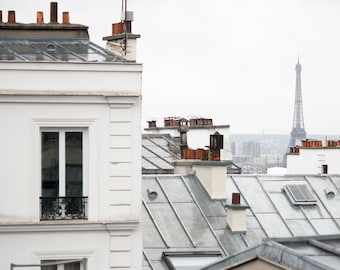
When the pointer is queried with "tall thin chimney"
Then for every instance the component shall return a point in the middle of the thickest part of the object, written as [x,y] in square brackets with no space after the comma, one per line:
[54,12]
[183,130]
[11,16]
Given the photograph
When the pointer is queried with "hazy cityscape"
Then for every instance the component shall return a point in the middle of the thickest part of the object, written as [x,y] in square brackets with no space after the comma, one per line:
[255,153]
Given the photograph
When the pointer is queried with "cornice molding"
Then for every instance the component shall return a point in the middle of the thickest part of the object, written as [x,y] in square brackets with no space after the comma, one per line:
[72,226]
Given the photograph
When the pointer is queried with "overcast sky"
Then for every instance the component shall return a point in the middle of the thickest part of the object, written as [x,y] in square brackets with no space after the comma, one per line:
[231,60]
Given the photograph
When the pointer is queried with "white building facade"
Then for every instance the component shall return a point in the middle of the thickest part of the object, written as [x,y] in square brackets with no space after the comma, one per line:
[70,158]
[314,159]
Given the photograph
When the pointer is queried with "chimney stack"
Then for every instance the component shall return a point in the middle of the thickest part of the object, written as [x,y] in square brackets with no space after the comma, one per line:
[236,214]
[216,144]
[11,16]
[54,12]
[183,130]
[152,124]
[66,17]
[122,42]
[40,17]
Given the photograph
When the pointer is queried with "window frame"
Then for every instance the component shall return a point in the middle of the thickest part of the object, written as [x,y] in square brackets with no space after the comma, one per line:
[61,263]
[39,123]
[166,256]
[85,158]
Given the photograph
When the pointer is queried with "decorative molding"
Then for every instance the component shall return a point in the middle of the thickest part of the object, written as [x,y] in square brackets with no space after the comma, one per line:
[60,226]
[68,97]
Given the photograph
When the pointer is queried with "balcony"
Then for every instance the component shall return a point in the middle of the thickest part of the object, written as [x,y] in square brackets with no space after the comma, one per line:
[63,208]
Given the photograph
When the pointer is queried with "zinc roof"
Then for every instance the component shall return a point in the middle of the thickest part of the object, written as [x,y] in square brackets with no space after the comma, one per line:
[50,43]
[271,214]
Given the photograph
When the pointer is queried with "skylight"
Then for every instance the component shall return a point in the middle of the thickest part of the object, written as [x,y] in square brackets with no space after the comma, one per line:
[189,260]
[300,194]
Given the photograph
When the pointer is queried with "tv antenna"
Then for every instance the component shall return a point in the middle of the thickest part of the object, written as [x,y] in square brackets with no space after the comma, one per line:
[124,19]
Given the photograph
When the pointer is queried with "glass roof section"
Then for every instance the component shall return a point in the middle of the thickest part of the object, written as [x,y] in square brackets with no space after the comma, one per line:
[55,50]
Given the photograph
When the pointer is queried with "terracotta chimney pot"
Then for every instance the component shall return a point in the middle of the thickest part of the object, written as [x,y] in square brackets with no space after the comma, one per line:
[66,17]
[11,16]
[40,17]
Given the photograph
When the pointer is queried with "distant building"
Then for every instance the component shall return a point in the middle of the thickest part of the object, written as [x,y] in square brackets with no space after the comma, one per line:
[312,157]
[70,190]
[199,130]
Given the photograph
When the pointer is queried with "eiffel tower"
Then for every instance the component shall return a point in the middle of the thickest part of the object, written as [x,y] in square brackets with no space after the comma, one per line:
[298,132]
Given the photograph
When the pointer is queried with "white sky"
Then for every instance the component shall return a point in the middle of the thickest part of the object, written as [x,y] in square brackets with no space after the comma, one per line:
[232,60]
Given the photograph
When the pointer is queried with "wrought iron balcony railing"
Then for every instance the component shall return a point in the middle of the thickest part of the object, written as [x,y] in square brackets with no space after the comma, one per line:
[60,208]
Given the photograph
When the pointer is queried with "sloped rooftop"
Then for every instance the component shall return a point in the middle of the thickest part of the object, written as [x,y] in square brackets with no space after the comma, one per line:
[50,50]
[318,253]
[174,221]
[271,213]
[158,153]
[50,43]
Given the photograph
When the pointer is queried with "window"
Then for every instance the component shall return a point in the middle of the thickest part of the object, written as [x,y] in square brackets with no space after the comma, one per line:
[63,265]
[77,264]
[189,260]
[62,174]
[324,169]
[300,195]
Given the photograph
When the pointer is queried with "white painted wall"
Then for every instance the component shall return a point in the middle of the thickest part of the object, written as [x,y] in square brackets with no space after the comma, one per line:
[236,219]
[310,160]
[105,100]
[213,178]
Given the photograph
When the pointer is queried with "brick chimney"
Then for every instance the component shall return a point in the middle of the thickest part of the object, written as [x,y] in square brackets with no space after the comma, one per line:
[122,42]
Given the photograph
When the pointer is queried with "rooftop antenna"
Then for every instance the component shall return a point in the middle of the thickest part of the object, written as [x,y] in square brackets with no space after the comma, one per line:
[124,11]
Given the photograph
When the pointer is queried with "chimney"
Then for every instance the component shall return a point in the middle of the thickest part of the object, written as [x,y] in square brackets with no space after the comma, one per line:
[183,130]
[66,17]
[11,16]
[236,214]
[54,12]
[40,17]
[0,16]
[152,124]
[122,42]
[216,144]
